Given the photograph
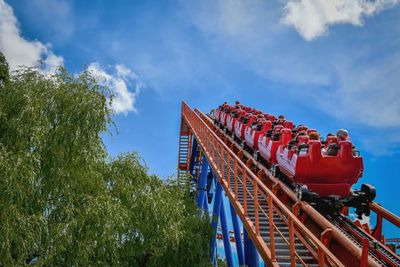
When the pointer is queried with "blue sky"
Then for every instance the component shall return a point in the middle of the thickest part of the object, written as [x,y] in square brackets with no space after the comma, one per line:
[329,65]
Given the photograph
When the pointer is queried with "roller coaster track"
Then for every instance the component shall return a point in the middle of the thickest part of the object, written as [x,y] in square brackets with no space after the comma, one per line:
[377,250]
[286,231]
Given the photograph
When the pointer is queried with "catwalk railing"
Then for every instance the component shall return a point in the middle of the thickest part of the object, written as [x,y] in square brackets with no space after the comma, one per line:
[354,244]
[235,176]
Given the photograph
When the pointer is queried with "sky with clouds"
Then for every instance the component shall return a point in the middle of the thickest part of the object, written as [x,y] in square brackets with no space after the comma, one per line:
[328,64]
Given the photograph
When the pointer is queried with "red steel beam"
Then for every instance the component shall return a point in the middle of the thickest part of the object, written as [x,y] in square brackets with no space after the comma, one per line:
[385,213]
[343,243]
[208,140]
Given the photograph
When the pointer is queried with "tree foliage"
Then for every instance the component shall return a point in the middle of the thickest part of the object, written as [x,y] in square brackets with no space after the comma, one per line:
[65,202]
[4,69]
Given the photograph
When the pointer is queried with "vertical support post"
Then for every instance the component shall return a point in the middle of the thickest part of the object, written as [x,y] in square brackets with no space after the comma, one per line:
[215,216]
[325,239]
[238,236]
[291,243]
[223,162]
[202,183]
[321,257]
[228,168]
[193,156]
[219,158]
[250,252]
[364,253]
[214,154]
[245,192]
[256,207]
[235,177]
[271,228]
[225,235]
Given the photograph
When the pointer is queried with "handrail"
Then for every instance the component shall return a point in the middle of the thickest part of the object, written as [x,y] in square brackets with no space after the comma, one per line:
[316,217]
[271,230]
[393,218]
[206,138]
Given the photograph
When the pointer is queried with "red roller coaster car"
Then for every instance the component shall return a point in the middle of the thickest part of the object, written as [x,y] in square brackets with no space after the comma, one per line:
[241,125]
[253,132]
[340,170]
[268,144]
[320,172]
[233,118]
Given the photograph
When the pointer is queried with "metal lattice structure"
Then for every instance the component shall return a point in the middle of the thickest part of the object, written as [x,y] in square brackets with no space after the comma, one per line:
[278,227]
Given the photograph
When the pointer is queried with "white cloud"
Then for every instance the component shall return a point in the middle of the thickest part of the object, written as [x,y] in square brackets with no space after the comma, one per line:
[368,94]
[249,33]
[312,18]
[20,51]
[122,78]
[350,77]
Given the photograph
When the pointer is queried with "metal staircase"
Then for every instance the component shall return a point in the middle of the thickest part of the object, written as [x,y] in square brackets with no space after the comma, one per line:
[300,256]
[184,150]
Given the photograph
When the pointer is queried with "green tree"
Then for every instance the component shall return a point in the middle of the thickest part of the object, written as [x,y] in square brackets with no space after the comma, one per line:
[65,202]
[4,69]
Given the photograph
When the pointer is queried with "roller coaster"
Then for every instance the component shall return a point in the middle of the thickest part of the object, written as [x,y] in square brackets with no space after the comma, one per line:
[279,225]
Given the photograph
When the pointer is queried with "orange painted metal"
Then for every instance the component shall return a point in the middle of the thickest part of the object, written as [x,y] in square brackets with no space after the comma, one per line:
[256,207]
[271,228]
[222,160]
[364,257]
[296,208]
[229,173]
[291,241]
[342,245]
[245,193]
[325,239]
[394,219]
[210,142]
[235,173]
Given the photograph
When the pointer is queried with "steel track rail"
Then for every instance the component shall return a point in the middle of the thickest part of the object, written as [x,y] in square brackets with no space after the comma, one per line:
[376,249]
[380,253]
[216,151]
[348,241]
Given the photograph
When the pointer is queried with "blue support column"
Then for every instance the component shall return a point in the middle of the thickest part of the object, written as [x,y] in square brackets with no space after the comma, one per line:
[193,156]
[215,217]
[202,183]
[250,251]
[205,203]
[210,178]
[238,237]
[225,235]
